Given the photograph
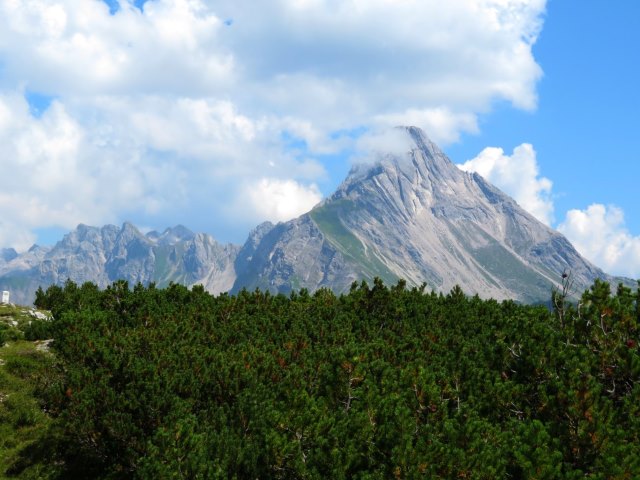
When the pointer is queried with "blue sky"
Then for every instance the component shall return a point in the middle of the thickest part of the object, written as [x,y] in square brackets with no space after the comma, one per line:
[585,128]
[220,114]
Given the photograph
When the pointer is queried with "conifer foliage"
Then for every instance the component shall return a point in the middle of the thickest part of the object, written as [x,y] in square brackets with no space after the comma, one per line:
[382,382]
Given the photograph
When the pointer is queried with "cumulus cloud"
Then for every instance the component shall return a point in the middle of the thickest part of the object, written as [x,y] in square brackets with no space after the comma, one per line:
[174,108]
[280,200]
[56,174]
[599,233]
[517,175]
[71,48]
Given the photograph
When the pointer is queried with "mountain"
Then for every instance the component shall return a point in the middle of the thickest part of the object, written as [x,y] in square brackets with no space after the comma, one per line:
[103,255]
[414,215]
[7,254]
[407,213]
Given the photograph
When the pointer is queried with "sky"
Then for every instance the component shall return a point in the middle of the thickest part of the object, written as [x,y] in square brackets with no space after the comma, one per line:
[221,114]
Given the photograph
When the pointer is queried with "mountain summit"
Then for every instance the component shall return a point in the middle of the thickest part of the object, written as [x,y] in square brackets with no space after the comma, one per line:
[413,214]
[406,213]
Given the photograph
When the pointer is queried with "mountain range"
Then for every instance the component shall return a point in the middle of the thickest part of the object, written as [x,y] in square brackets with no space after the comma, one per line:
[406,213]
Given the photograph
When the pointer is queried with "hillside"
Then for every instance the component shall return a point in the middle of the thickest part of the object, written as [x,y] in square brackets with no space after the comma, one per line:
[25,362]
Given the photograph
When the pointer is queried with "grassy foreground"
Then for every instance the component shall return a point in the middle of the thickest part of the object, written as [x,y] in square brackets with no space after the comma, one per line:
[24,367]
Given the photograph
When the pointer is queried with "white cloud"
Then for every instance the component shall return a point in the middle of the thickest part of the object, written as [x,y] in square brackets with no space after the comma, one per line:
[517,175]
[394,141]
[158,157]
[70,48]
[340,61]
[599,233]
[435,46]
[280,200]
[55,174]
[173,110]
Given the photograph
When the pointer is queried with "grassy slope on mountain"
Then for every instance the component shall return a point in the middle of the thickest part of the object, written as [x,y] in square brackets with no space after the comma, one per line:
[327,218]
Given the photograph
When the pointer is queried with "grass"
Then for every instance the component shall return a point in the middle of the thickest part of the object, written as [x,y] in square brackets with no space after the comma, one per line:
[24,367]
[327,218]
[22,420]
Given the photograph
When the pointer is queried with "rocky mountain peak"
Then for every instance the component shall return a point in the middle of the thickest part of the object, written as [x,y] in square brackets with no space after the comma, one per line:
[129,230]
[406,180]
[406,211]
[410,153]
[172,235]
[82,233]
[36,249]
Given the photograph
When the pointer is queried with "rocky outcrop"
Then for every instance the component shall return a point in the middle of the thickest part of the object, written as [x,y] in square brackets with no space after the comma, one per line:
[290,256]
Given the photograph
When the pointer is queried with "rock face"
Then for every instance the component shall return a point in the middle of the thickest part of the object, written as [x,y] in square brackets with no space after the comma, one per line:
[415,215]
[7,254]
[103,255]
[411,214]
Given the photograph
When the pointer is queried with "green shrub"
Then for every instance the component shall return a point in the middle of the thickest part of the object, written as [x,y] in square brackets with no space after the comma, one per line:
[378,383]
[38,330]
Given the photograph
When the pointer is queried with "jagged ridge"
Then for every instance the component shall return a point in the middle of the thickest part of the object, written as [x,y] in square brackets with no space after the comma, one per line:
[103,255]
